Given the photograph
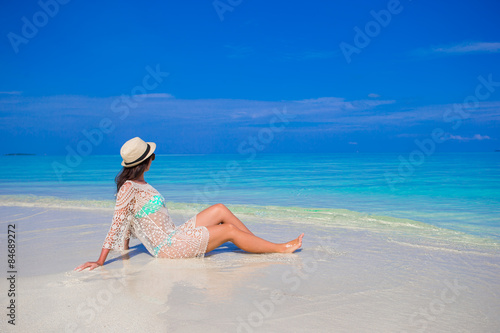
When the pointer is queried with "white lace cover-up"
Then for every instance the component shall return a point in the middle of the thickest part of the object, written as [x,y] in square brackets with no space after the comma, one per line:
[140,212]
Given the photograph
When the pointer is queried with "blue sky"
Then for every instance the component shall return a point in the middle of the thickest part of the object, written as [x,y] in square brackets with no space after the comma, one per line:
[233,65]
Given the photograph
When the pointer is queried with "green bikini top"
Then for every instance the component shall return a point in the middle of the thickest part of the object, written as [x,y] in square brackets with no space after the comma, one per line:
[152,206]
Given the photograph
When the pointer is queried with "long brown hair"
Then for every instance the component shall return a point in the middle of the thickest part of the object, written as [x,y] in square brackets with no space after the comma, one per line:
[131,173]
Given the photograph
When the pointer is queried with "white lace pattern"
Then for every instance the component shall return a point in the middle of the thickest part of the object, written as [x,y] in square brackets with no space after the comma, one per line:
[140,212]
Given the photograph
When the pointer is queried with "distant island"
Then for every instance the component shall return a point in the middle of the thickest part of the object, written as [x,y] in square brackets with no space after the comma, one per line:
[17,154]
[497,151]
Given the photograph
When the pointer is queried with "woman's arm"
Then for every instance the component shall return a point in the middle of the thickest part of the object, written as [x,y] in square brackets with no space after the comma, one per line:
[103,256]
[118,231]
[101,260]
[93,264]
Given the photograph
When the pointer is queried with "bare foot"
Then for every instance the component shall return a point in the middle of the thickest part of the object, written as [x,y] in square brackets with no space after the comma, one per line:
[293,245]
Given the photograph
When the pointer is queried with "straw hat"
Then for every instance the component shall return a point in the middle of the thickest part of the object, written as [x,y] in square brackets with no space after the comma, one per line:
[135,151]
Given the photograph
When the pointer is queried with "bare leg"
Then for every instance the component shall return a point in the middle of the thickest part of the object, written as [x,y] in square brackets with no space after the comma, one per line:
[217,214]
[219,234]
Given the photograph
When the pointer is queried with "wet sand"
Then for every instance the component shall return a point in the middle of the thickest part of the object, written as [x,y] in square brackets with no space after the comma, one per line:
[342,280]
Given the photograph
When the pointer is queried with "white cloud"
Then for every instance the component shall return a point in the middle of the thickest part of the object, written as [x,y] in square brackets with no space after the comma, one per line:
[469,47]
[372,95]
[477,137]
[329,114]
[158,95]
[462,48]
[10,92]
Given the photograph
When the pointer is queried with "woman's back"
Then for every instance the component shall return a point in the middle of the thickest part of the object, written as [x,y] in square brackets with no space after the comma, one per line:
[141,212]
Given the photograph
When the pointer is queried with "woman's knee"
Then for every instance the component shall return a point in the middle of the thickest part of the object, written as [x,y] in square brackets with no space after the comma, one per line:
[222,233]
[220,209]
[229,229]
[220,206]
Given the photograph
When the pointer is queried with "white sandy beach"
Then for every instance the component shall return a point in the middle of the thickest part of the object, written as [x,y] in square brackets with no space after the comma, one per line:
[345,279]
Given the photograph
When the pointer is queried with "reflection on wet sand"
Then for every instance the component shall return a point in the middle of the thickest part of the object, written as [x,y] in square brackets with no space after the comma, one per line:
[215,277]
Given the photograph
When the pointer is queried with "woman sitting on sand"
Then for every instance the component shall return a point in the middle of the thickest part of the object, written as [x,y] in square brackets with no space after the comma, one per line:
[140,211]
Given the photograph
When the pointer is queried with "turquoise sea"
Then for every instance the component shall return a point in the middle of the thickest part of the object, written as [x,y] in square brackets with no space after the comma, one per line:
[455,191]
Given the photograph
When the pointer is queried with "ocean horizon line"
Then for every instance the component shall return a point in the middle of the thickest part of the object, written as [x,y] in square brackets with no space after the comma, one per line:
[267,153]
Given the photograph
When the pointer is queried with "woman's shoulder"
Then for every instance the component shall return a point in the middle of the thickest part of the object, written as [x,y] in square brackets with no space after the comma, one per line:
[126,186]
[125,194]
[130,184]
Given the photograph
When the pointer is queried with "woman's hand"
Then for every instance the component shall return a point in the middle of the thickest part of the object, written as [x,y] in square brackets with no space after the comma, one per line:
[94,264]
[89,264]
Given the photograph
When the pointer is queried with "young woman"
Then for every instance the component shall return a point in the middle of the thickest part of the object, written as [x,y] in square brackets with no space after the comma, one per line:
[140,211]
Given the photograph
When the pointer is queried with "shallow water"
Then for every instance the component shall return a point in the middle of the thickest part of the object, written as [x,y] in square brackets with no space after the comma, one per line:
[457,191]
